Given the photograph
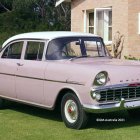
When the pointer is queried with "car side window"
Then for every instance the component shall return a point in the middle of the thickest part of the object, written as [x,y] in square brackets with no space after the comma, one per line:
[13,51]
[34,50]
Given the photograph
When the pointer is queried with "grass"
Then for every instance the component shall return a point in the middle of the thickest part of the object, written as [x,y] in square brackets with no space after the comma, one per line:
[22,122]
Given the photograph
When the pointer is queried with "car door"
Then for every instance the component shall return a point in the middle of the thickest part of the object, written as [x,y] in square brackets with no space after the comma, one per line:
[10,57]
[30,74]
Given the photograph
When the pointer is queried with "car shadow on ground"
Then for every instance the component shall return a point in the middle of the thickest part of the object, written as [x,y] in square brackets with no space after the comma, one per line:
[34,111]
[105,121]
[114,120]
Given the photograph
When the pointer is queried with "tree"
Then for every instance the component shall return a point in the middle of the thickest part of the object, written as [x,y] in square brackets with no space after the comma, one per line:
[5,5]
[18,16]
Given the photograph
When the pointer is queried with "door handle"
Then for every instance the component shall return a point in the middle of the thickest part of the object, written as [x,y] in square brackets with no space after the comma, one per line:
[19,64]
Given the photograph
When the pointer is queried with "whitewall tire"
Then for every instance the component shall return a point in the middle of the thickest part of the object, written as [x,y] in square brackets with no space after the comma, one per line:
[72,112]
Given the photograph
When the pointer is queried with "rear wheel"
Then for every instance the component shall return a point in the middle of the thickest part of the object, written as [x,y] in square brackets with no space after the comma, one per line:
[72,112]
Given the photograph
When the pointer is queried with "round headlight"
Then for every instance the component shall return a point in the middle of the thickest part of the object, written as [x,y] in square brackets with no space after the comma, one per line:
[101,78]
[96,96]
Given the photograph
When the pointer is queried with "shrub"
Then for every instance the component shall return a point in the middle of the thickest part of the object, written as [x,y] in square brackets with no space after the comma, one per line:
[131,58]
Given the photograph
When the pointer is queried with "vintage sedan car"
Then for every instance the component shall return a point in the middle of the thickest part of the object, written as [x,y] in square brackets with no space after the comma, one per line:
[70,70]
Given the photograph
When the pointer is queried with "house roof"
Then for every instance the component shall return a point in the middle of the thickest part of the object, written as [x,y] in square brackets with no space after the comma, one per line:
[58,2]
[46,35]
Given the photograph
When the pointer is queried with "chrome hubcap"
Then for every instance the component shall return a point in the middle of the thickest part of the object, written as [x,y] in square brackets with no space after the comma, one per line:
[71,111]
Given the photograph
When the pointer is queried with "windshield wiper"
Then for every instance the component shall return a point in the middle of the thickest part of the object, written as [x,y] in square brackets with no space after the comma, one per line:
[77,57]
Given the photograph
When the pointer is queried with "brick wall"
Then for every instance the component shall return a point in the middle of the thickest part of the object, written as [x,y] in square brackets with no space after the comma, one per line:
[127,25]
[133,36]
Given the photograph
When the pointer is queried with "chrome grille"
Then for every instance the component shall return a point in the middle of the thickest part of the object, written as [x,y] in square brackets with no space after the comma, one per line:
[127,93]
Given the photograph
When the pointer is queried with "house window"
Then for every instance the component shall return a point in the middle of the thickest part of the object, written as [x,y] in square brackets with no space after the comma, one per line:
[99,22]
[91,23]
[110,25]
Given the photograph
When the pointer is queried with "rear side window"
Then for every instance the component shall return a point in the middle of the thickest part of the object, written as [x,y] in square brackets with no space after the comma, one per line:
[34,50]
[13,51]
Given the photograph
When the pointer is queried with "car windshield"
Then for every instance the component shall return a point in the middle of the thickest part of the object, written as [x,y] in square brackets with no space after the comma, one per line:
[75,47]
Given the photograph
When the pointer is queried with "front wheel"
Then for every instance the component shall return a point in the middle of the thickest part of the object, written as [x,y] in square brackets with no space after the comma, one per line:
[72,112]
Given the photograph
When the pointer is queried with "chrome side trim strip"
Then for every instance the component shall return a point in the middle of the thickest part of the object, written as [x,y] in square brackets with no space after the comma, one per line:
[28,77]
[67,82]
[7,74]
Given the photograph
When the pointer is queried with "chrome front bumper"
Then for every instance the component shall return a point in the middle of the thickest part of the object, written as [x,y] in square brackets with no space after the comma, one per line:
[110,107]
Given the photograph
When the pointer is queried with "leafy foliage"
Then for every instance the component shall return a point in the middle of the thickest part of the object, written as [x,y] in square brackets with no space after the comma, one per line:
[131,58]
[18,16]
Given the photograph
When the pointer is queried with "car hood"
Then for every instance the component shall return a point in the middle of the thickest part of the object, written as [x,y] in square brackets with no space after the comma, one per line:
[105,61]
[83,70]
[119,71]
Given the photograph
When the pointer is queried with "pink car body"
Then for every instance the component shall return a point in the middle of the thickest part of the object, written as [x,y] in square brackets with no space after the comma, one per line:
[44,82]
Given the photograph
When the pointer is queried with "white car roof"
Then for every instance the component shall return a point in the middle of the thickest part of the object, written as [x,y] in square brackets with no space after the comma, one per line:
[46,35]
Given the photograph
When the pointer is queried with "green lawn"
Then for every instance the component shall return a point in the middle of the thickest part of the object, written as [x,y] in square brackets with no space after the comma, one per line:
[21,122]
